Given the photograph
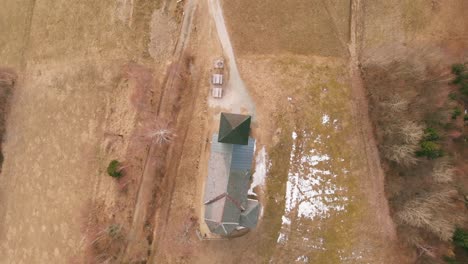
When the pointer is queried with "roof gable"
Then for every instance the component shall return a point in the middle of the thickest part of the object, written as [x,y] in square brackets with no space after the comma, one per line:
[249,217]
[226,204]
[234,128]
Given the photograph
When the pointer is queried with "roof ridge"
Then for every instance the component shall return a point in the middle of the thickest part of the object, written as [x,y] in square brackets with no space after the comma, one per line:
[219,197]
[235,202]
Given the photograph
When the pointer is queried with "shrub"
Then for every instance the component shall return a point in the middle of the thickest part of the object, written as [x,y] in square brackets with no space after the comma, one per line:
[458,68]
[464,88]
[430,134]
[461,77]
[430,149]
[456,112]
[114,230]
[114,169]
[453,96]
[465,117]
[450,260]
[460,238]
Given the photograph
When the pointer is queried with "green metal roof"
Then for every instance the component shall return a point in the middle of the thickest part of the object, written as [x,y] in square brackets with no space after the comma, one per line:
[249,216]
[227,185]
[234,129]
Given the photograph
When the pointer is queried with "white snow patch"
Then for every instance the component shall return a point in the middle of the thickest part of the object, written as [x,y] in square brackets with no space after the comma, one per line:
[311,191]
[306,189]
[350,257]
[325,119]
[294,135]
[303,259]
[282,238]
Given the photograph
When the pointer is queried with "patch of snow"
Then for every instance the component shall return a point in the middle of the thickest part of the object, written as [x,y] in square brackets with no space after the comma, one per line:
[336,124]
[350,257]
[325,119]
[306,189]
[294,135]
[311,191]
[282,238]
[318,139]
[304,259]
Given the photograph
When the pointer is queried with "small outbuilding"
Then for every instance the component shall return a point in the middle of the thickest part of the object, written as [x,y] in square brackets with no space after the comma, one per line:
[217,79]
[217,92]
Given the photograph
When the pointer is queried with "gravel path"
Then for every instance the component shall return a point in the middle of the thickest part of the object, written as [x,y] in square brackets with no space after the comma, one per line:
[236,96]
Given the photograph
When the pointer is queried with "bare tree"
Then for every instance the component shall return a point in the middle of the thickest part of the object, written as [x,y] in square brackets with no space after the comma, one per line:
[160,133]
[401,154]
[443,171]
[411,132]
[396,105]
[431,212]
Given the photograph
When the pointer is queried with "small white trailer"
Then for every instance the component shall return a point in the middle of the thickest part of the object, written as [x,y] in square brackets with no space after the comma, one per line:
[217,92]
[217,79]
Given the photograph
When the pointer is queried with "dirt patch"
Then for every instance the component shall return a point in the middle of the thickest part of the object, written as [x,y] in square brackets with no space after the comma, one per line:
[163,36]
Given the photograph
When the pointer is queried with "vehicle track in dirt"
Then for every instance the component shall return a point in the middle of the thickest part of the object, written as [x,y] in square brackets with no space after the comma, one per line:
[375,175]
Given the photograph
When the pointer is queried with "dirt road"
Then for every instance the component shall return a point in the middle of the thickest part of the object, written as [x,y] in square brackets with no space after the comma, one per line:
[236,97]
[374,178]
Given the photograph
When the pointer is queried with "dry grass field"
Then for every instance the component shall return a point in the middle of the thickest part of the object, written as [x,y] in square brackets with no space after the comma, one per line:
[296,27]
[71,102]
[93,77]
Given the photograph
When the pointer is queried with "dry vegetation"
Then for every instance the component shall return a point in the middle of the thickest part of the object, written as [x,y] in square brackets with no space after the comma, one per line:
[107,226]
[421,141]
[7,81]
[105,238]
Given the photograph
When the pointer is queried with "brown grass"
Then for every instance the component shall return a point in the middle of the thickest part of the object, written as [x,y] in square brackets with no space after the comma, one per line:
[104,239]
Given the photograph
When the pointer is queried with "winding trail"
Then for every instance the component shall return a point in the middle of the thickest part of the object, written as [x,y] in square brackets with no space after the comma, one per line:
[237,96]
